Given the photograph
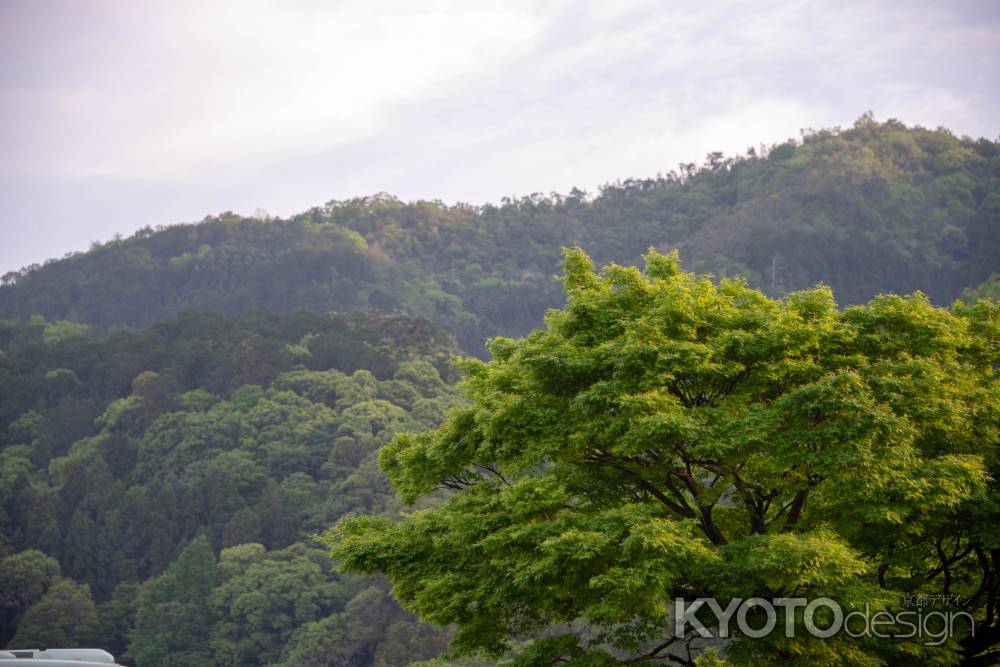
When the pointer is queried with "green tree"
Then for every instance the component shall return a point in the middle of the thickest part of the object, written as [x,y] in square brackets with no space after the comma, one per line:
[263,599]
[115,619]
[665,437]
[406,641]
[174,623]
[24,578]
[355,635]
[63,615]
[990,289]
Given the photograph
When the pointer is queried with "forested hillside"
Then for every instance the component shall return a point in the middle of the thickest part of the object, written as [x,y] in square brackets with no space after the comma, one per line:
[128,461]
[182,411]
[876,208]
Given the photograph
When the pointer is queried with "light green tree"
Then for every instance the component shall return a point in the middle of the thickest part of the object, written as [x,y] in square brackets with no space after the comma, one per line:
[263,598]
[667,437]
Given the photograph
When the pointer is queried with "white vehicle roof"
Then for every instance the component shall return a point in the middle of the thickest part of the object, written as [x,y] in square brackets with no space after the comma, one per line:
[54,657]
[47,662]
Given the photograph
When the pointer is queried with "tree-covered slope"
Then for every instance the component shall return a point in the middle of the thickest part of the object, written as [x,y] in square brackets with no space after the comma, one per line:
[880,207]
[158,487]
[177,417]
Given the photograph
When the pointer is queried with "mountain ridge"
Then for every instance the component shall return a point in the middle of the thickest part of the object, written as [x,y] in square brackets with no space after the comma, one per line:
[879,207]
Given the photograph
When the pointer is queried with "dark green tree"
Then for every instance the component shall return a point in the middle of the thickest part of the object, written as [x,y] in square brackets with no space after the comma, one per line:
[174,621]
[24,579]
[59,619]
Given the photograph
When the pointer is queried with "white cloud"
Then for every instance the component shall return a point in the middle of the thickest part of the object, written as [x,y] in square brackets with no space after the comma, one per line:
[223,83]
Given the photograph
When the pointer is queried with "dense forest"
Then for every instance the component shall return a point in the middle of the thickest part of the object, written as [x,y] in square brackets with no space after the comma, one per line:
[134,458]
[184,411]
[879,207]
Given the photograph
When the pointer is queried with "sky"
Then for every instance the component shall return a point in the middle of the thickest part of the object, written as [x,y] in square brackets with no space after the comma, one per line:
[115,115]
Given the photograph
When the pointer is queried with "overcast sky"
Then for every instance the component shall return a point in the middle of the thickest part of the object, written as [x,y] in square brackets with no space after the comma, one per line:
[120,114]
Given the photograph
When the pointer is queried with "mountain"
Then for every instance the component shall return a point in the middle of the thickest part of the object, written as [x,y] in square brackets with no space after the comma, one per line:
[878,207]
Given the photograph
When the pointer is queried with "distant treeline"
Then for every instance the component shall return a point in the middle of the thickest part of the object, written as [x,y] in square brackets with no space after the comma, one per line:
[879,207]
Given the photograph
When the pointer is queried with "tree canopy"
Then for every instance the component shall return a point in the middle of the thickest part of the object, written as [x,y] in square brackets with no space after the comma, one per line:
[664,437]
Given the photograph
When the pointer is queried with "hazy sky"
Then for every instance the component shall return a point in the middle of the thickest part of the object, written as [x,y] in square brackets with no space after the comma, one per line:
[120,114]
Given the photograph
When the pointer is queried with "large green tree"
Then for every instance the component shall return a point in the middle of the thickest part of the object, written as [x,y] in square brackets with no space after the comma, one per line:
[665,437]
